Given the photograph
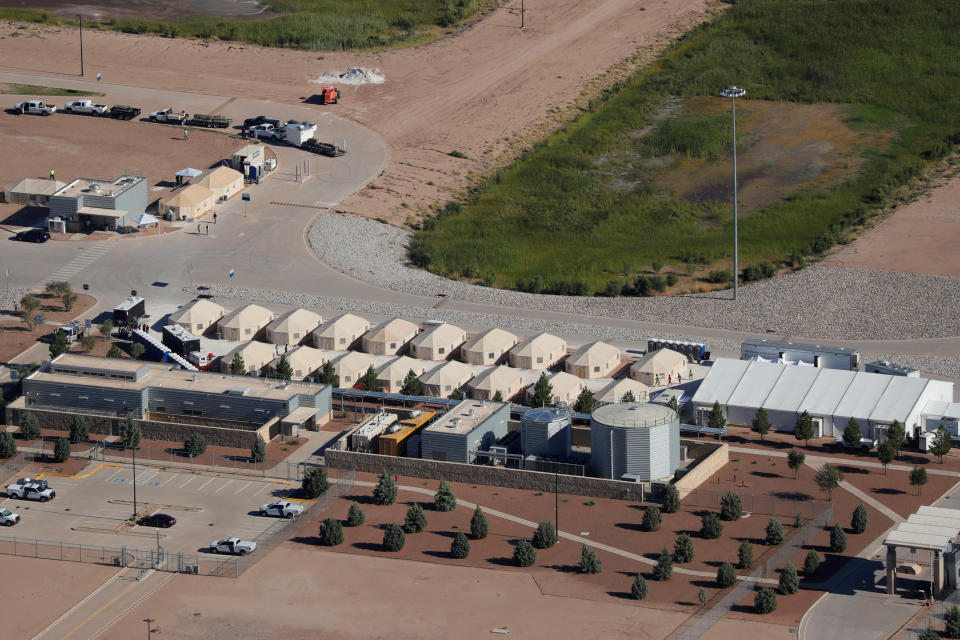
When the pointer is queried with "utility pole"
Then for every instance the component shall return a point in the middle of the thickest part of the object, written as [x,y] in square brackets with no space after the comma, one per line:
[556,503]
[522,25]
[733,92]
[81,43]
[149,630]
[134,450]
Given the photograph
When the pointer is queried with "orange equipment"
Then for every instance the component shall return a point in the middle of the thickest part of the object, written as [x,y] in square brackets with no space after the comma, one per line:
[329,94]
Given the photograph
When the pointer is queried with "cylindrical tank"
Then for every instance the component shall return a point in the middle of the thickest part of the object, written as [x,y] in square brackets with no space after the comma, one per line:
[545,432]
[637,439]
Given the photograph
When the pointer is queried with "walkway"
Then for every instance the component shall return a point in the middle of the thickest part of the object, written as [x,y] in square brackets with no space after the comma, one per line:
[820,460]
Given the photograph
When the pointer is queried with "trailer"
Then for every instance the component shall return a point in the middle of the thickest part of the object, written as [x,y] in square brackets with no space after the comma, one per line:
[129,312]
[181,341]
[811,354]
[124,112]
[159,352]
[209,121]
[323,148]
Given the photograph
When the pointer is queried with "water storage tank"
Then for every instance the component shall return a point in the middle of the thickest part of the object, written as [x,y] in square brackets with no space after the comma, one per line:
[545,432]
[634,439]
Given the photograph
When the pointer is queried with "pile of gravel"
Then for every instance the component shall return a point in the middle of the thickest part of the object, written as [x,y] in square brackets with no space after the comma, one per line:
[817,302]
[9,296]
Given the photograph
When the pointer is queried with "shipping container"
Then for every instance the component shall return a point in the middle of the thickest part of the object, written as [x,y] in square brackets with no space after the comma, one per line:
[394,441]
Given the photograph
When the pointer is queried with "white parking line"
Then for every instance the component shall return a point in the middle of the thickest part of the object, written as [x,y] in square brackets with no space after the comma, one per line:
[266,488]
[245,485]
[224,486]
[200,488]
[167,480]
[189,480]
[110,477]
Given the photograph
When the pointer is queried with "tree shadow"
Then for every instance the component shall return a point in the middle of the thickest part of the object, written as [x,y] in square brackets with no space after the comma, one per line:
[446,534]
[446,555]
[792,495]
[630,526]
[713,563]
[624,595]
[849,469]
[912,459]
[310,540]
[564,568]
[360,498]
[706,583]
[368,546]
[887,491]
[743,608]
[502,562]
[765,474]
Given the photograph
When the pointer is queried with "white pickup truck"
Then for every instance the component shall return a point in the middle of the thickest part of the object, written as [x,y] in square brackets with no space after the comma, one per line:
[34,107]
[234,546]
[85,106]
[281,509]
[8,518]
[169,116]
[31,492]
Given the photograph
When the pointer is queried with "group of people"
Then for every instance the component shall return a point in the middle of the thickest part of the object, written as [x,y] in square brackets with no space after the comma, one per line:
[679,376]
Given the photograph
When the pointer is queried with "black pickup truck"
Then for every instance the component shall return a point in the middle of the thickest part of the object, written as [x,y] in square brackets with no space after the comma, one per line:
[124,112]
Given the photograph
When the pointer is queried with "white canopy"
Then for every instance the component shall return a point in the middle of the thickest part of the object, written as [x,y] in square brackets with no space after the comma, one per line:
[145,218]
[189,173]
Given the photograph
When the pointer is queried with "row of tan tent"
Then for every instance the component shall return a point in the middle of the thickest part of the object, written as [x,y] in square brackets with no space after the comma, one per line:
[195,200]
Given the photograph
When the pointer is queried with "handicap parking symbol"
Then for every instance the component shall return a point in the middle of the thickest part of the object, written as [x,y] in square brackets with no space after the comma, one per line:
[119,479]
[153,484]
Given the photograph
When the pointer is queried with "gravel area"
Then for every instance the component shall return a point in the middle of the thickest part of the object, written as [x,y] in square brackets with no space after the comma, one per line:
[9,296]
[821,302]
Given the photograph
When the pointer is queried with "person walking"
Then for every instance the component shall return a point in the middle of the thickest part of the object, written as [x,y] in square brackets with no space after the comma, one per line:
[691,374]
[214,217]
[670,378]
[51,174]
[185,136]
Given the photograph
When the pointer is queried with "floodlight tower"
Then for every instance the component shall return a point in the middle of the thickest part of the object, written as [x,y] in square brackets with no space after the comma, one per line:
[733,92]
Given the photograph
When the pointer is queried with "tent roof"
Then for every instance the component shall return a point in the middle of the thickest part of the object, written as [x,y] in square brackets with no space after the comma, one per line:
[540,343]
[344,323]
[720,381]
[356,359]
[201,310]
[593,353]
[302,320]
[439,335]
[303,358]
[36,186]
[790,389]
[659,360]
[245,316]
[615,391]
[189,196]
[496,340]
[400,367]
[145,218]
[253,352]
[755,385]
[452,372]
[189,172]
[562,382]
[220,177]
[396,330]
[496,377]
[901,396]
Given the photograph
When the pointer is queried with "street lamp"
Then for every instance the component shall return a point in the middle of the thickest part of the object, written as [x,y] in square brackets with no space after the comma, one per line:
[133,450]
[149,630]
[81,43]
[733,92]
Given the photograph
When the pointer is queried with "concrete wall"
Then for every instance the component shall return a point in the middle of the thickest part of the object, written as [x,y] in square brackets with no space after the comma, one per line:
[706,468]
[481,474]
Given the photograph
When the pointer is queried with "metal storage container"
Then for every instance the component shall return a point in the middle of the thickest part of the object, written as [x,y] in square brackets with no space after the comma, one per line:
[545,432]
[636,439]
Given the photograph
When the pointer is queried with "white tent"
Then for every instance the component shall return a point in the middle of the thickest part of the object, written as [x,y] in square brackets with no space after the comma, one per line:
[144,219]
[189,172]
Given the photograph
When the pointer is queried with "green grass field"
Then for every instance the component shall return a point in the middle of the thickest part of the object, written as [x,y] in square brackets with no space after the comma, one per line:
[39,90]
[328,25]
[585,209]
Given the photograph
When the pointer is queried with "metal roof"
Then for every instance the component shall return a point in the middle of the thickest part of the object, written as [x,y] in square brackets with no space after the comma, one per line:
[791,389]
[755,385]
[862,395]
[721,381]
[929,528]
[826,392]
[901,396]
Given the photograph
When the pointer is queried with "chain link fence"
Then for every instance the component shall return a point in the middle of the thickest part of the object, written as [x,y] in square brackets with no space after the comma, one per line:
[932,616]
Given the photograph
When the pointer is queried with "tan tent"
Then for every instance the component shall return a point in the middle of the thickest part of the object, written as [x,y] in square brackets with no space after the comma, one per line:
[224,182]
[437,343]
[256,356]
[659,367]
[33,192]
[341,333]
[391,375]
[197,316]
[503,379]
[303,360]
[488,348]
[614,392]
[293,326]
[564,388]
[189,202]
[389,338]
[244,323]
[442,380]
[539,352]
[594,360]
[351,366]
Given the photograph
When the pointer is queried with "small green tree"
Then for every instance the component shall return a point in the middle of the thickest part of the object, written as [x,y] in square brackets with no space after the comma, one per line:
[726,575]
[456,394]
[629,397]
[941,443]
[237,365]
[114,352]
[804,428]
[838,539]
[57,287]
[315,483]
[137,350]
[745,555]
[328,375]
[664,567]
[789,583]
[8,446]
[88,342]
[774,532]
[589,562]
[59,344]
[258,452]
[368,381]
[702,596]
[416,520]
[795,460]
[542,392]
[918,478]
[385,493]
[651,519]
[61,450]
[885,454]
[639,587]
[68,299]
[460,547]
[929,634]
[28,310]
[765,601]
[858,523]
[194,445]
[717,420]
[411,384]
[29,425]
[731,507]
[393,537]
[671,499]
[284,369]
[952,619]
[710,526]
[331,532]
[106,329]
[478,524]
[683,549]
[896,436]
[797,520]
[498,397]
[585,401]
[545,535]
[674,404]
[524,554]
[852,434]
[79,432]
[829,478]
[445,499]
[355,516]
[811,563]
[761,423]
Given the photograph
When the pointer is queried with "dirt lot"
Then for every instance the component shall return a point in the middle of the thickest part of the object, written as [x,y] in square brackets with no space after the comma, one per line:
[16,336]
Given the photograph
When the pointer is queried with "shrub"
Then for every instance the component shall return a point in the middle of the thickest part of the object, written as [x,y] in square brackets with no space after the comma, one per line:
[765,601]
[524,554]
[651,519]
[838,539]
[61,450]
[331,532]
[929,634]
[355,516]
[445,500]
[130,433]
[29,426]
[460,547]
[416,520]
[314,482]
[774,532]
[672,279]
[745,555]
[789,582]
[545,536]
[258,452]
[720,276]
[683,548]
[455,153]
[726,575]
[811,563]
[639,587]
[194,445]
[858,523]
[710,526]
[393,537]
[664,567]
[731,507]
[671,500]
[478,524]
[589,562]
[385,493]
[79,432]
[953,622]
[8,446]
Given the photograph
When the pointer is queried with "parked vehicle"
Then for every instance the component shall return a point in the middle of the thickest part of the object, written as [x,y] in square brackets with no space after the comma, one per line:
[169,116]
[865,443]
[252,122]
[85,106]
[33,235]
[234,546]
[202,361]
[323,148]
[41,482]
[293,132]
[31,492]
[72,331]
[262,131]
[34,107]
[281,509]
[209,121]
[162,520]
[8,518]
[329,94]
[124,112]
[129,312]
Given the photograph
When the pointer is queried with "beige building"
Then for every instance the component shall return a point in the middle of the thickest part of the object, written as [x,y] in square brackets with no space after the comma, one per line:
[613,393]
[503,379]
[305,361]
[32,192]
[389,338]
[564,388]
[539,352]
[293,326]
[442,380]
[488,348]
[390,376]
[256,356]
[244,323]
[594,360]
[351,366]
[438,342]
[197,316]
[341,333]
[224,182]
[188,203]
[659,367]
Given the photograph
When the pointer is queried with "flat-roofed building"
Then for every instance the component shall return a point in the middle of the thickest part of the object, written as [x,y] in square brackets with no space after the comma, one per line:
[100,204]
[468,427]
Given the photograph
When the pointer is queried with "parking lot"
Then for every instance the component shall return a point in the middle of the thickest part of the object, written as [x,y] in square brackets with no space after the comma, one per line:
[92,508]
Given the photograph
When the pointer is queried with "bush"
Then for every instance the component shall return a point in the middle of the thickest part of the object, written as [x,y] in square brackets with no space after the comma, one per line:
[355,516]
[789,583]
[952,619]
[639,587]
[478,524]
[416,520]
[811,563]
[651,519]
[664,567]
[385,493]
[130,433]
[710,526]
[765,601]
[745,555]
[460,547]
[79,432]
[672,279]
[720,276]
[29,426]
[314,483]
[929,634]
[726,575]
[61,450]
[838,539]
[759,272]
[774,532]
[8,446]
[524,554]
[671,500]
[589,562]
[683,549]
[545,536]
[731,507]
[393,537]
[194,445]
[258,452]
[858,524]
[445,500]
[331,532]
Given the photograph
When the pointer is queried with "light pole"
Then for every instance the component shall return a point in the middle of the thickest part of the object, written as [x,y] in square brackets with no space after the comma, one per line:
[81,43]
[134,451]
[733,92]
[149,630]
